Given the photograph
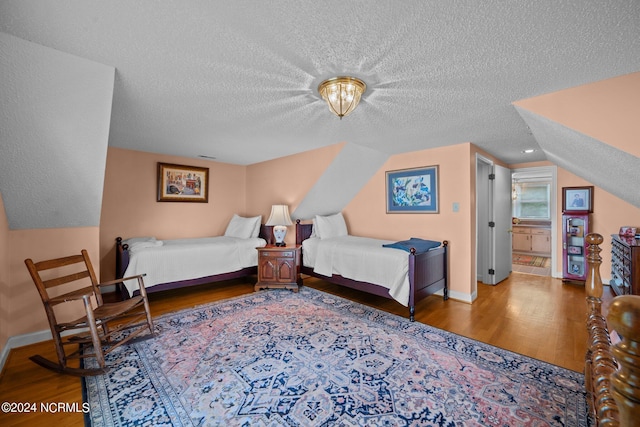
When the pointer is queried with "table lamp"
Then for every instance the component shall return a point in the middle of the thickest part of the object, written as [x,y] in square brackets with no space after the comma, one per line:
[279,219]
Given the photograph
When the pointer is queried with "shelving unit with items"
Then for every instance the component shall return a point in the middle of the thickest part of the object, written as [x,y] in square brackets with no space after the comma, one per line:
[574,247]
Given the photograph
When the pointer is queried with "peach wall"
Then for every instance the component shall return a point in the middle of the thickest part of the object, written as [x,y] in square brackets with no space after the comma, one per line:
[609,214]
[607,110]
[366,214]
[286,180]
[130,207]
[531,165]
[5,276]
[26,311]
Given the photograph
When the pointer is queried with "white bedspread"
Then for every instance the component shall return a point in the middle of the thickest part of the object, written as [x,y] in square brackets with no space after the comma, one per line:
[184,259]
[363,259]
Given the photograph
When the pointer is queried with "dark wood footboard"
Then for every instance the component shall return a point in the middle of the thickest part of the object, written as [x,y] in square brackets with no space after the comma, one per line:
[122,262]
[428,273]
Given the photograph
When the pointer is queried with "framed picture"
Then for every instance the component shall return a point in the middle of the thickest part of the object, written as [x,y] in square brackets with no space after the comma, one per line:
[574,250]
[412,190]
[576,269]
[576,230]
[180,183]
[577,199]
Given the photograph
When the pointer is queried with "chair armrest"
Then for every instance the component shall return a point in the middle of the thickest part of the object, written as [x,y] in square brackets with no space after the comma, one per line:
[73,295]
[113,282]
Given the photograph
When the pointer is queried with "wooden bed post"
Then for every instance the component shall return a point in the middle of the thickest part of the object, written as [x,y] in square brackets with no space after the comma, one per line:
[445,294]
[624,317]
[612,373]
[599,362]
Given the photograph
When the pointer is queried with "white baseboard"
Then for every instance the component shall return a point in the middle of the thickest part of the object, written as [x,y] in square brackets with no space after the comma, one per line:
[460,296]
[22,340]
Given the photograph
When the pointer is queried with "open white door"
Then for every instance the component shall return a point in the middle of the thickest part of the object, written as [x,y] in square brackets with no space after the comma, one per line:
[500,225]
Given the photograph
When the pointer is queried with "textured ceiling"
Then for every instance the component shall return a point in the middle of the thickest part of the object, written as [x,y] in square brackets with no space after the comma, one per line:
[237,80]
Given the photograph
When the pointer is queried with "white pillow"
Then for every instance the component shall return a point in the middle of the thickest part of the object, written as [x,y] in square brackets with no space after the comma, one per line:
[138,239]
[243,228]
[256,229]
[137,245]
[330,226]
[313,229]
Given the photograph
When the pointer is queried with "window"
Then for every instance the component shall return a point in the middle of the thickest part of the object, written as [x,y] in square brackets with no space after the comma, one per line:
[531,200]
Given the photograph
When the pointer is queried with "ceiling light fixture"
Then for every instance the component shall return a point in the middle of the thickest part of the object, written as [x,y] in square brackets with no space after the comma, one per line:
[342,94]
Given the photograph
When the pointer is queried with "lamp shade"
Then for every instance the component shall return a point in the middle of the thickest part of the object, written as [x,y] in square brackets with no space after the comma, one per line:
[279,216]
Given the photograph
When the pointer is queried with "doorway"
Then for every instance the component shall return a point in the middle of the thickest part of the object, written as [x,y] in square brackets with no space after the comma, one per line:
[493,221]
[534,217]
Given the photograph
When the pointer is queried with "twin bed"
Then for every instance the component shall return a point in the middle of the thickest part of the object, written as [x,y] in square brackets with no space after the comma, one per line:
[406,271]
[178,263]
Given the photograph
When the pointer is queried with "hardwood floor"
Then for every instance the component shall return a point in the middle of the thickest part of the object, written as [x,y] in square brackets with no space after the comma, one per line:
[533,315]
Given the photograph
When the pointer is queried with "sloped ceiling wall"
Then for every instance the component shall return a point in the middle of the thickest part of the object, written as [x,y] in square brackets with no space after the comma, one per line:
[592,131]
[352,168]
[613,170]
[56,111]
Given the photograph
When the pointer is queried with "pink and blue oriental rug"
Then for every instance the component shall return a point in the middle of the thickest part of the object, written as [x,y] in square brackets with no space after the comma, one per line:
[278,358]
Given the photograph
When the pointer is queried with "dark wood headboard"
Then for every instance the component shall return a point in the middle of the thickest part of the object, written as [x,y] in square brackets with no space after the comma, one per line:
[303,231]
[266,233]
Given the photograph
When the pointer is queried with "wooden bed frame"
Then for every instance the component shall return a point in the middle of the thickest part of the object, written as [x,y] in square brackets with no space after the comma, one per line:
[427,272]
[612,372]
[122,261]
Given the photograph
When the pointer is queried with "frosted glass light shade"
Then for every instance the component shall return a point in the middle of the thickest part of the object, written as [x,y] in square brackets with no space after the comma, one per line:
[342,94]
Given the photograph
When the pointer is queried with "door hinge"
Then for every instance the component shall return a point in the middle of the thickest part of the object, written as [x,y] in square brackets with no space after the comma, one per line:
[492,176]
[492,271]
[492,224]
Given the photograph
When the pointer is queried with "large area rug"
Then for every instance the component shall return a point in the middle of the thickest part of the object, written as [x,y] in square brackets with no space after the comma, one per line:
[277,358]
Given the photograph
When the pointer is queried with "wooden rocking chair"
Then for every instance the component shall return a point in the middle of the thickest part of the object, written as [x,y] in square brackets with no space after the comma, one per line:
[103,325]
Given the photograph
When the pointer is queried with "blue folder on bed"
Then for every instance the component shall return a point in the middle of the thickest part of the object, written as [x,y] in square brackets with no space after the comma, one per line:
[420,245]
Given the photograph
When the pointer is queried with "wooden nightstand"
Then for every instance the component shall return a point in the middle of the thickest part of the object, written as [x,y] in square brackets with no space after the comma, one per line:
[279,267]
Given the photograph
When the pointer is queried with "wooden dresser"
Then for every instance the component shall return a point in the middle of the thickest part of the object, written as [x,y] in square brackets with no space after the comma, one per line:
[625,265]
